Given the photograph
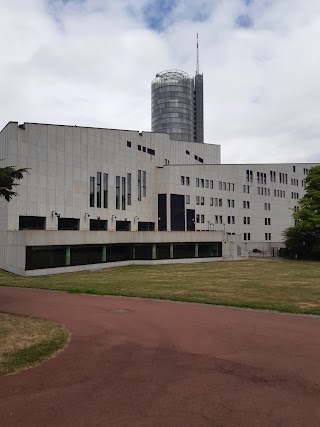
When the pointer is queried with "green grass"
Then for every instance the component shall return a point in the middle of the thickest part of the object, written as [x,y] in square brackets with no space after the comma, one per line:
[25,342]
[287,286]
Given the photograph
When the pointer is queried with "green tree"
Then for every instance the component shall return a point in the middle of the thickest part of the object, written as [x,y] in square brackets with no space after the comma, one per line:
[303,239]
[9,176]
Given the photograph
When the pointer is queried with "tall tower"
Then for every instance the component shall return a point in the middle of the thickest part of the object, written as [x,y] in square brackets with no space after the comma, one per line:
[177,104]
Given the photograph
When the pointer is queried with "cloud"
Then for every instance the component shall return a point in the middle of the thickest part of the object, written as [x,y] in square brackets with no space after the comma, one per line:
[91,63]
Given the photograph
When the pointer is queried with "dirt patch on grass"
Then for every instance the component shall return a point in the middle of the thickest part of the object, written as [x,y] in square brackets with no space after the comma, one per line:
[25,341]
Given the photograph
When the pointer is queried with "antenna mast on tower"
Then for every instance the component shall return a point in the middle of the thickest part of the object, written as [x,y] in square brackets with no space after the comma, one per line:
[197,71]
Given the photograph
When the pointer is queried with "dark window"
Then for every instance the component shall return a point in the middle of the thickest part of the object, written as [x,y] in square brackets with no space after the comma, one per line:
[163,251]
[151,151]
[196,157]
[98,224]
[145,226]
[105,190]
[128,143]
[183,250]
[128,188]
[39,257]
[123,194]
[82,255]
[162,212]
[139,147]
[68,223]
[32,223]
[117,192]
[143,251]
[144,149]
[91,191]
[187,152]
[177,212]
[144,183]
[98,189]
[200,160]
[119,253]
[123,225]
[139,185]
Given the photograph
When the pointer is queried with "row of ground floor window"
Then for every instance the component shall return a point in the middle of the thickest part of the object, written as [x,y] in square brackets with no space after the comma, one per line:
[39,257]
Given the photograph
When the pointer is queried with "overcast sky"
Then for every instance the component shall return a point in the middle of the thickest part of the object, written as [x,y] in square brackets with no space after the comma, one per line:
[91,63]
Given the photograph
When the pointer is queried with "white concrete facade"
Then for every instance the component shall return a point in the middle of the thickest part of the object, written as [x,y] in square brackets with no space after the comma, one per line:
[61,160]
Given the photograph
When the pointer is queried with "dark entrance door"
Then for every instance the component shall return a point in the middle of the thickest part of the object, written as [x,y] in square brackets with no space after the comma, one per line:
[177,209]
[191,219]
[162,212]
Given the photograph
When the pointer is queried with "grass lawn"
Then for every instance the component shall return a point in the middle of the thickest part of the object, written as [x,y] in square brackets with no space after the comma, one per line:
[288,286]
[25,342]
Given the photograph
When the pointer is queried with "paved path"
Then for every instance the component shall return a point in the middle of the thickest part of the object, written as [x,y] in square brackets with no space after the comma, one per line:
[136,362]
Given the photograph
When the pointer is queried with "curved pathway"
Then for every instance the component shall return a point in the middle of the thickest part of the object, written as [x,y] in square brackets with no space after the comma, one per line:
[134,362]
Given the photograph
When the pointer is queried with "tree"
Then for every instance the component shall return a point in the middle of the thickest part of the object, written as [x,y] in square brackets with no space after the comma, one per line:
[8,177]
[303,239]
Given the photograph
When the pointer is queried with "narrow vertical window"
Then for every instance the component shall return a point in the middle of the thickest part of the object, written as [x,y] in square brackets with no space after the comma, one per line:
[144,183]
[123,193]
[98,189]
[105,190]
[117,192]
[139,185]
[129,188]
[91,191]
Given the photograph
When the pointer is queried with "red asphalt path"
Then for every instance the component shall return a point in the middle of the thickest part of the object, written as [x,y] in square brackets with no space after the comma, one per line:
[133,362]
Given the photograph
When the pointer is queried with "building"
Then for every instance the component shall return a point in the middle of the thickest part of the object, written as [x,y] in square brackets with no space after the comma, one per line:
[177,105]
[95,198]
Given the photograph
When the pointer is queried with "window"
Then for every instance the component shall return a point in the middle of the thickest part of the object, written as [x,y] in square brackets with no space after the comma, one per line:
[182,180]
[231,220]
[220,202]
[128,188]
[224,185]
[188,152]
[198,218]
[144,183]
[202,201]
[98,189]
[249,175]
[92,191]
[197,182]
[246,204]
[200,160]
[211,201]
[123,194]
[267,206]
[267,236]
[144,149]
[139,185]
[216,219]
[207,183]
[139,147]
[267,221]
[151,151]
[220,185]
[188,181]
[117,192]
[220,219]
[197,200]
[202,183]
[32,223]
[202,219]
[98,225]
[105,190]
[128,144]
[211,184]
[187,200]
[294,168]
[68,224]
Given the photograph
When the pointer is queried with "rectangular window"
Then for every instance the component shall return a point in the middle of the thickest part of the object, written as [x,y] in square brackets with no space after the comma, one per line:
[198,218]
[216,202]
[117,192]
[202,201]
[105,190]
[221,219]
[220,202]
[229,203]
[144,149]
[187,200]
[123,193]
[188,152]
[139,185]
[197,182]
[92,179]
[202,219]
[188,181]
[98,189]
[128,144]
[249,236]
[144,183]
[139,147]
[211,201]
[232,203]
[202,183]
[197,200]
[245,220]
[182,180]
[128,188]
[32,223]
[207,183]
[151,151]
[211,184]
[224,185]
[98,225]
[229,219]
[220,185]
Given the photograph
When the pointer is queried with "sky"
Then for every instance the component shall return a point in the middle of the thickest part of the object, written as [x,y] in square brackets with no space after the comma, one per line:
[91,63]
